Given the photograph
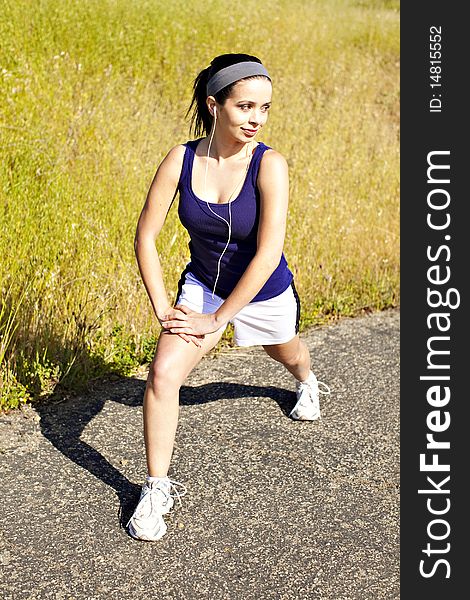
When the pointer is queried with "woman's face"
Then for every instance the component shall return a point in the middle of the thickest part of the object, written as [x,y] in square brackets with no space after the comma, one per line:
[246,110]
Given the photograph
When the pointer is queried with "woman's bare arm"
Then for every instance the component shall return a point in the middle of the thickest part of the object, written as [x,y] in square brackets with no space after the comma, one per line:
[157,204]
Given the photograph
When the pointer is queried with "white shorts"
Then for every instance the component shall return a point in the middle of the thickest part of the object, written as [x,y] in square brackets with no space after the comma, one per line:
[273,321]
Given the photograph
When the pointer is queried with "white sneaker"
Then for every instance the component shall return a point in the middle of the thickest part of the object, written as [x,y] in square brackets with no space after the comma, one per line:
[307,407]
[156,500]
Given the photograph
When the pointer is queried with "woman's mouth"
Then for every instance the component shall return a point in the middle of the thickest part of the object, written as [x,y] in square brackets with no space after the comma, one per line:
[250,132]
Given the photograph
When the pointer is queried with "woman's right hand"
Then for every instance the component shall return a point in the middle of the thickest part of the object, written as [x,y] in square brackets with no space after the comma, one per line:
[187,337]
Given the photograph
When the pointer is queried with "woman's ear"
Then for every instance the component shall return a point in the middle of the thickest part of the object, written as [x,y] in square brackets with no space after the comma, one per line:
[211,106]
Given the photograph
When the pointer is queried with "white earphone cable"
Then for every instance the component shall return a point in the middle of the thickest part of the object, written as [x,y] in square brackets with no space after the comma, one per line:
[229,222]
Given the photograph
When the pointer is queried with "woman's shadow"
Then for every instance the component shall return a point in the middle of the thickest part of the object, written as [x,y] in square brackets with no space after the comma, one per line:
[63,421]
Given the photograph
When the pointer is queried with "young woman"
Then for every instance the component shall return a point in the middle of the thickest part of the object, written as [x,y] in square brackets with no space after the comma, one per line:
[233,202]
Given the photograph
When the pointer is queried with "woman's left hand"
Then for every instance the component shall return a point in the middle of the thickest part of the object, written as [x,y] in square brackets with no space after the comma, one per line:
[184,320]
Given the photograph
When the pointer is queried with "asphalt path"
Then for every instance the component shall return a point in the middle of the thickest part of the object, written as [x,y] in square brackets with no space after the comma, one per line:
[275,509]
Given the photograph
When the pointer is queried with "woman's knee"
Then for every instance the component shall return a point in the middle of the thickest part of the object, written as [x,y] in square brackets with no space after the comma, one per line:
[170,366]
[162,375]
[289,354]
[175,359]
[294,358]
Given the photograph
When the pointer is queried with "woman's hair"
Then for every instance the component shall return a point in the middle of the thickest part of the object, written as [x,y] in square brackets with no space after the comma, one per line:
[201,119]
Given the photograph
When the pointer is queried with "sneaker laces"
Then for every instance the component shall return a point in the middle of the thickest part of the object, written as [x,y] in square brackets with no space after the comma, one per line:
[147,501]
[177,494]
[301,385]
[308,385]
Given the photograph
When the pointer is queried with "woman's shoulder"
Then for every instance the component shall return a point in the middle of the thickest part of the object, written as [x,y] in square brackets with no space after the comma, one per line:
[176,154]
[272,159]
[172,164]
[174,157]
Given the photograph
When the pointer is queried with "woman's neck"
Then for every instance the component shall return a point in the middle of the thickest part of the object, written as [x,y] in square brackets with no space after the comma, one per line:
[223,149]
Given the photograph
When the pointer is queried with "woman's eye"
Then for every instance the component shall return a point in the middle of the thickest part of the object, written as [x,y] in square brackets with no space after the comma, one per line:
[248,107]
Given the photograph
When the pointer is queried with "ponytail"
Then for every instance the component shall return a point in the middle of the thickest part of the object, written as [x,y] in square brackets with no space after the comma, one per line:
[201,119]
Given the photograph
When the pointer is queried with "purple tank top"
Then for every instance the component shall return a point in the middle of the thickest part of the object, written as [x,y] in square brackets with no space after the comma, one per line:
[209,234]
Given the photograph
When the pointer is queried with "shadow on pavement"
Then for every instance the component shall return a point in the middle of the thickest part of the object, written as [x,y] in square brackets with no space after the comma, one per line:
[62,423]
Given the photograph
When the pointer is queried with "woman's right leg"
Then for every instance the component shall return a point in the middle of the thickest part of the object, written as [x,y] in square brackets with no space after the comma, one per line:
[174,359]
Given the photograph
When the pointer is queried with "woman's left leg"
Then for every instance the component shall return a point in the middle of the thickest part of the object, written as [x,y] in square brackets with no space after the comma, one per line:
[294,355]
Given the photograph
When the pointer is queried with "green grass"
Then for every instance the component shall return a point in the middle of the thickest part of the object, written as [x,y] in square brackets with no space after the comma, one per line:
[92,96]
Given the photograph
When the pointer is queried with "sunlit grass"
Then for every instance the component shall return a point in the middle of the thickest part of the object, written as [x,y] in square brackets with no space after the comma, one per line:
[92,96]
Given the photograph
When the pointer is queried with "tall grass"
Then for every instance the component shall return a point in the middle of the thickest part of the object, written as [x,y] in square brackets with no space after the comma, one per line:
[92,96]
